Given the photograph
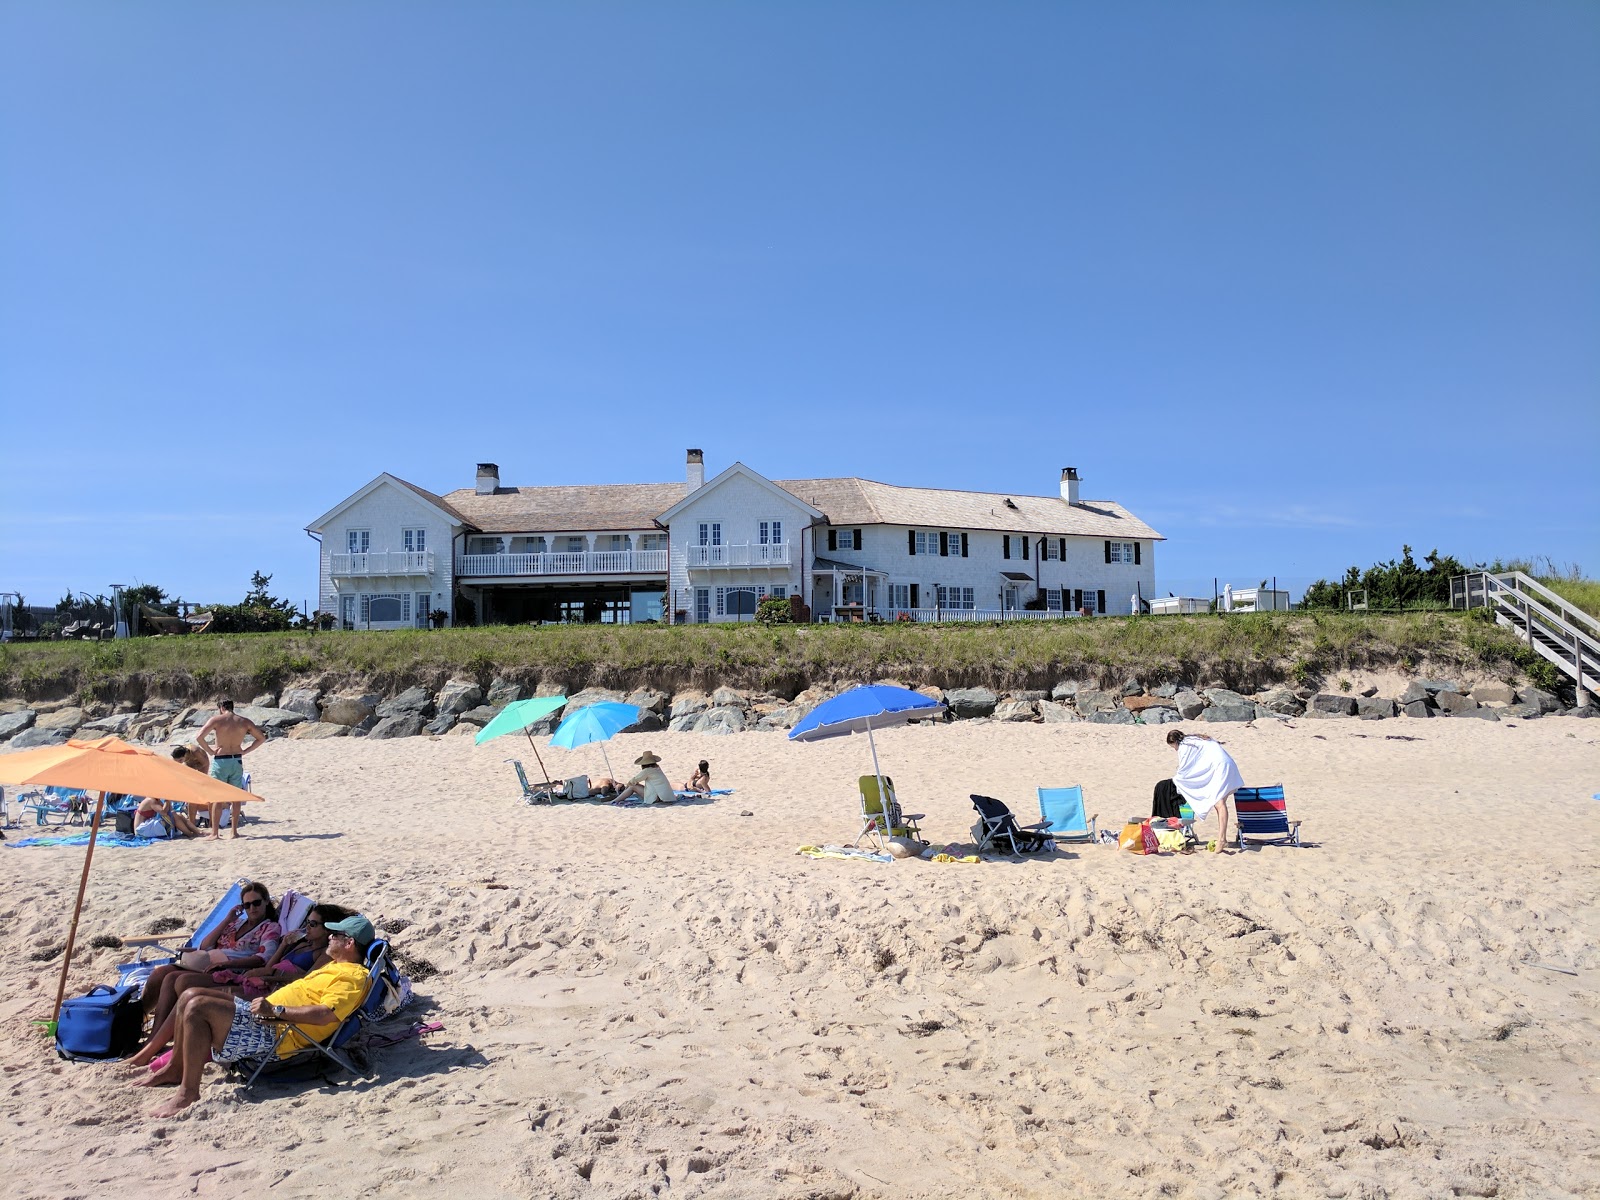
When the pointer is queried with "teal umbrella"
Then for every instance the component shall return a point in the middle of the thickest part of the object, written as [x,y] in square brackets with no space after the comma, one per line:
[520,714]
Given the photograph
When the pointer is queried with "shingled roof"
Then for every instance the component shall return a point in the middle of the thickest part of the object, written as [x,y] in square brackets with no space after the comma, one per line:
[577,507]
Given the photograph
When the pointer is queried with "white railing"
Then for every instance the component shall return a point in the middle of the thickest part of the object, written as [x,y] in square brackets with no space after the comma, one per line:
[743,554]
[383,562]
[933,616]
[1554,629]
[583,562]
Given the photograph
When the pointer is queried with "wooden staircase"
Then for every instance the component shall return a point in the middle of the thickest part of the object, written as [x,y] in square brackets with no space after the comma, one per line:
[1552,628]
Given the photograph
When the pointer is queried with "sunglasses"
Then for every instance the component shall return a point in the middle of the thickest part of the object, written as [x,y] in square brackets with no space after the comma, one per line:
[318,924]
[255,903]
[346,936]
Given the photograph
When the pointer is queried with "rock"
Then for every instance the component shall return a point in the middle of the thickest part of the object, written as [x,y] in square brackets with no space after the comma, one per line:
[68,718]
[1131,687]
[313,731]
[1495,693]
[1032,694]
[1454,702]
[476,717]
[971,702]
[159,705]
[1090,701]
[1065,690]
[271,719]
[936,694]
[265,700]
[688,704]
[38,736]
[148,727]
[1190,705]
[1483,714]
[414,701]
[1224,696]
[648,722]
[1435,686]
[1528,712]
[726,697]
[649,700]
[113,726]
[14,723]
[683,724]
[1115,716]
[720,720]
[1545,701]
[1282,702]
[1057,714]
[196,717]
[456,697]
[1325,704]
[1245,710]
[590,696]
[346,710]
[1140,704]
[300,700]
[1417,708]
[502,692]
[1368,693]
[7,707]
[442,725]
[1017,710]
[1160,716]
[1166,691]
[784,718]
[398,726]
[1374,708]
[1414,692]
[1583,711]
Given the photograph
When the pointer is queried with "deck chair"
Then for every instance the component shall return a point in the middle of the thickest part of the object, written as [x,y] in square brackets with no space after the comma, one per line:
[873,822]
[997,828]
[1263,817]
[542,793]
[333,1047]
[157,949]
[1061,813]
[58,806]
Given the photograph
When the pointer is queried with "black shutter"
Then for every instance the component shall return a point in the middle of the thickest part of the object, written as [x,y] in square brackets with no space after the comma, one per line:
[963,544]
[1108,551]
[1024,548]
[1063,542]
[1136,554]
[833,539]
[1077,599]
[857,539]
[1005,545]
[944,544]
[1100,598]
[916,598]
[911,545]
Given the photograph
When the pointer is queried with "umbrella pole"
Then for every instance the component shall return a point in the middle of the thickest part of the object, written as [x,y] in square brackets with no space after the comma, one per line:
[610,774]
[543,774]
[883,791]
[72,933]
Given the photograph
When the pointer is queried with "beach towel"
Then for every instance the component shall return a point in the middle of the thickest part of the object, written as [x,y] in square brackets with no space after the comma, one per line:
[82,839]
[1206,773]
[696,794]
[842,852]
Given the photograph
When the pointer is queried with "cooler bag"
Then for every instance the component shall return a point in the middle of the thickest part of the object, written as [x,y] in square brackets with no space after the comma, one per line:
[107,1022]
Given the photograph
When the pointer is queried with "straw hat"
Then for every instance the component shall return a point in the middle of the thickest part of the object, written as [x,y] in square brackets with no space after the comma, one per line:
[647,759]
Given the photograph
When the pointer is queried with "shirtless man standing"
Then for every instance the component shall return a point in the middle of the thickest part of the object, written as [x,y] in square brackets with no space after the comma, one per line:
[230,731]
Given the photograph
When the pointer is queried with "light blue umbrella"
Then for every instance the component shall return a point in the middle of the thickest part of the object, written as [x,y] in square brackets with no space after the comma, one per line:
[520,714]
[595,723]
[861,710]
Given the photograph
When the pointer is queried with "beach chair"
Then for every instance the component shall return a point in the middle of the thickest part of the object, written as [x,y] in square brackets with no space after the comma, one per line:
[541,793]
[1061,813]
[58,806]
[1263,817]
[997,827]
[163,948]
[874,823]
[373,1007]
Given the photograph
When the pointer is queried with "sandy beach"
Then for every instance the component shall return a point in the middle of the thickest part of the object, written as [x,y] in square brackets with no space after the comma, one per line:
[643,1002]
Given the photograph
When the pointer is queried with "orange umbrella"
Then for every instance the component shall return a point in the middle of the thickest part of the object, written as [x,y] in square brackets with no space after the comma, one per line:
[110,765]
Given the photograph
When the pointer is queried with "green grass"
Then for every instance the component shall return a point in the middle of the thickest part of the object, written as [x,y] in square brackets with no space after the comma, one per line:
[1248,651]
[1580,593]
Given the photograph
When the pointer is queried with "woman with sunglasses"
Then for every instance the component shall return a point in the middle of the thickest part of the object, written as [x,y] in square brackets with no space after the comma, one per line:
[246,939]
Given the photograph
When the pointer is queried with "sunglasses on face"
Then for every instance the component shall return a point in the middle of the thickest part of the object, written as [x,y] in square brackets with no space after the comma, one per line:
[347,937]
[318,924]
[258,903]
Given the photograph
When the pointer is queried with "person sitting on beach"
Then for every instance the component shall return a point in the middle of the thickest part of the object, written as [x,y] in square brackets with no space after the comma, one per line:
[215,1027]
[248,938]
[157,818]
[649,785]
[301,950]
[700,781]
[1207,776]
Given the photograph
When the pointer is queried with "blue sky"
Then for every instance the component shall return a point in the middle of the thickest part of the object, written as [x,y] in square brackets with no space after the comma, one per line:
[1296,283]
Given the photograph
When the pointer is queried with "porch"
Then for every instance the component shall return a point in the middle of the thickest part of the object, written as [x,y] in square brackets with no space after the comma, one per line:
[740,554]
[574,562]
[394,563]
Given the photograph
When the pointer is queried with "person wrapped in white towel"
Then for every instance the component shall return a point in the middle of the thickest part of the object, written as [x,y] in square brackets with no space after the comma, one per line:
[1206,776]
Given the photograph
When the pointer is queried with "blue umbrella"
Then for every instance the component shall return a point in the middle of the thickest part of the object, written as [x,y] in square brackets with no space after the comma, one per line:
[861,710]
[595,723]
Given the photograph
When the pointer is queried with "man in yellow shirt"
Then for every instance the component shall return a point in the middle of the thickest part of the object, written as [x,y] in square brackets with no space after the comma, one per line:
[221,1028]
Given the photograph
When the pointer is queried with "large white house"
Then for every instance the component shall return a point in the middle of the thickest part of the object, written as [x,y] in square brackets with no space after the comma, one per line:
[708,550]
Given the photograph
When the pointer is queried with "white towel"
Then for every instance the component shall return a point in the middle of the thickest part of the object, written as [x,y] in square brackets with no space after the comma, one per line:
[1206,774]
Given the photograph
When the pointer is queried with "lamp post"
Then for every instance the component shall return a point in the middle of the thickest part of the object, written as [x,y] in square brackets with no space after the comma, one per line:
[119,624]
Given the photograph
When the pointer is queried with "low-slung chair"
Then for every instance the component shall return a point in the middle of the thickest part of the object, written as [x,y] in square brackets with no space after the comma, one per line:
[1061,812]
[1263,817]
[997,827]
[881,814]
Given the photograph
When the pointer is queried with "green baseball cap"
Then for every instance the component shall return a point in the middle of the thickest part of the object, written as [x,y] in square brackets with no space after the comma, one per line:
[357,927]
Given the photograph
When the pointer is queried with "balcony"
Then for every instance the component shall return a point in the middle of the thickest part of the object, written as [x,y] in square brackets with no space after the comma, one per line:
[740,555]
[382,562]
[597,562]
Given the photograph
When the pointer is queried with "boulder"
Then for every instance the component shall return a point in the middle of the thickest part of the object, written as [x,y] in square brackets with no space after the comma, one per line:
[1090,701]
[300,700]
[1523,709]
[971,702]
[726,697]
[932,692]
[1374,708]
[1326,704]
[689,704]
[1160,716]
[1131,687]
[683,724]
[113,726]
[1544,700]
[346,710]
[68,718]
[784,718]
[1495,693]
[271,719]
[1052,713]
[1033,694]
[1483,714]
[1454,702]
[719,720]
[588,696]
[1115,716]
[15,722]
[1414,692]
[160,705]
[502,692]
[456,697]
[313,731]
[1017,710]
[442,725]
[398,726]
[414,701]
[1224,696]
[1417,708]
[1139,704]
[1166,691]
[37,736]
[1435,686]
[1282,702]
[265,700]
[648,722]
[1190,705]
[196,717]
[1245,710]
[477,717]
[148,727]
[1369,692]
[649,700]
[1065,690]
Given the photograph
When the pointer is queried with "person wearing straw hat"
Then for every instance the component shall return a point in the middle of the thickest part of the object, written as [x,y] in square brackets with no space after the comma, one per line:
[649,785]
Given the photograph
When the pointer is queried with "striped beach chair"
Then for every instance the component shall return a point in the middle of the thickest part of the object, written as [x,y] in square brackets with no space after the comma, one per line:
[1263,817]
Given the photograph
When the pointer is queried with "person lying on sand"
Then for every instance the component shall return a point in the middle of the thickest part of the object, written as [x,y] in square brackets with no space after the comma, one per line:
[214,1027]
[649,785]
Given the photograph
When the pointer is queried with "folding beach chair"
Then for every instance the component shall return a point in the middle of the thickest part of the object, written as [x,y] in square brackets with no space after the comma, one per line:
[1061,813]
[58,806]
[542,793]
[997,827]
[164,948]
[1263,817]
[874,823]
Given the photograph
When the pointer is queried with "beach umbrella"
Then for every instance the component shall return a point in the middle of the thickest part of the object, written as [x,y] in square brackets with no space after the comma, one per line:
[595,723]
[110,765]
[861,710]
[519,715]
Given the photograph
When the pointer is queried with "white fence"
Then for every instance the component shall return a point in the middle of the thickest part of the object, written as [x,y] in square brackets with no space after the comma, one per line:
[383,562]
[596,562]
[935,616]
[742,555]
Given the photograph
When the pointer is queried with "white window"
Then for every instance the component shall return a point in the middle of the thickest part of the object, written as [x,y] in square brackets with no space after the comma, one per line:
[386,608]
[1121,552]
[1052,549]
[711,533]
[771,533]
[347,610]
[899,595]
[415,540]
[1052,599]
[422,610]
[651,541]
[737,601]
[702,605]
[927,541]
[780,592]
[956,597]
[357,541]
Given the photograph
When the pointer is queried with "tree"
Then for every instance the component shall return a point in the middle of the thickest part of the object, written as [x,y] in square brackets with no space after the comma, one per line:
[1392,585]
[148,594]
[260,611]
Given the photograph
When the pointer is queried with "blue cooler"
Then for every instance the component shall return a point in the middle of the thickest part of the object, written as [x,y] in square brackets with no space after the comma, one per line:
[106,1023]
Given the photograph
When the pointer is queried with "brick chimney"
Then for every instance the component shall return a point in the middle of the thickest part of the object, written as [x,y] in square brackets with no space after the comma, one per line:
[1069,484]
[488,479]
[697,470]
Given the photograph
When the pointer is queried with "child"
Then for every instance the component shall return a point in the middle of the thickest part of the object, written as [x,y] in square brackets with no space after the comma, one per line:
[700,781]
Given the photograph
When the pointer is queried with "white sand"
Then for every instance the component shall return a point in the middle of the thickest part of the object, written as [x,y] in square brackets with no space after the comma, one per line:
[670,1001]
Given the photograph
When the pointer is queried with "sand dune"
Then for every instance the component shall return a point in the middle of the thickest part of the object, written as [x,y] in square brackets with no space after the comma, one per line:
[649,1002]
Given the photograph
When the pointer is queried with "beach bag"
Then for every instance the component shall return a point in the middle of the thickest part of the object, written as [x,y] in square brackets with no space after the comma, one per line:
[1138,837]
[124,823]
[106,1022]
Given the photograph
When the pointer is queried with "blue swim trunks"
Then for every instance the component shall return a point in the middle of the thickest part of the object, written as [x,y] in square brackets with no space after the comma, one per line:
[229,770]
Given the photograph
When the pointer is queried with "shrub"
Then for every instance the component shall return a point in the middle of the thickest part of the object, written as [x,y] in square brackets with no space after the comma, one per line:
[773,611]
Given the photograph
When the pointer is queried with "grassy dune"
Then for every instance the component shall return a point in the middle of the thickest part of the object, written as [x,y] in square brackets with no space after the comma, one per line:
[1246,651]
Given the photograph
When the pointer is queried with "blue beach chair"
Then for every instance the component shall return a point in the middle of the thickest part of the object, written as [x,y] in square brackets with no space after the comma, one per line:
[1263,817]
[1061,813]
